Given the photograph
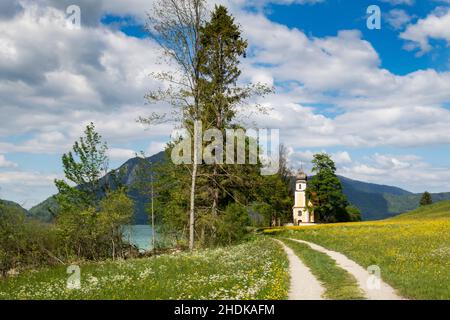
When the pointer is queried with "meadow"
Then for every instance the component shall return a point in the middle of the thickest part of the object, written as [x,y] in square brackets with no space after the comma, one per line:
[254,270]
[412,250]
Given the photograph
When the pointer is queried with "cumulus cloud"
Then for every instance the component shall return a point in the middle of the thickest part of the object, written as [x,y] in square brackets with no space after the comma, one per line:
[407,171]
[303,158]
[343,70]
[54,80]
[375,107]
[435,26]
[4,163]
[342,157]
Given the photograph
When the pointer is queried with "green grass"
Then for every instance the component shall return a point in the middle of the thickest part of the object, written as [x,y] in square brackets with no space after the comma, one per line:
[440,210]
[254,270]
[412,250]
[338,283]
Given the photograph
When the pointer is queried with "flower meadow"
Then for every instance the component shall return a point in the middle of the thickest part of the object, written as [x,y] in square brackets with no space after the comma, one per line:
[412,250]
[254,270]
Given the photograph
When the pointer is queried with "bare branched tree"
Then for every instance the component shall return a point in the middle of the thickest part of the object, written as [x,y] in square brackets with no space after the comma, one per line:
[175,25]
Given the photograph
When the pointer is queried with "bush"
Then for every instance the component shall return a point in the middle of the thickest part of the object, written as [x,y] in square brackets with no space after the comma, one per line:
[233,224]
[354,214]
[24,242]
[96,233]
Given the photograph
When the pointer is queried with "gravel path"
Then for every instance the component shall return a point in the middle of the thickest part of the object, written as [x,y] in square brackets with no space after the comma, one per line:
[362,276]
[304,286]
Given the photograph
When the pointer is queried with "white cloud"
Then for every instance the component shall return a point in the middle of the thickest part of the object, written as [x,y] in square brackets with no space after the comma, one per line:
[342,157]
[27,188]
[398,18]
[121,154]
[303,158]
[399,2]
[407,171]
[32,179]
[435,26]
[4,163]
[155,147]
[51,86]
[374,107]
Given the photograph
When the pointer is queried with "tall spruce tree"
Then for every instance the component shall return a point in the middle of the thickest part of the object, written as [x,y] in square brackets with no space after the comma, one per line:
[222,48]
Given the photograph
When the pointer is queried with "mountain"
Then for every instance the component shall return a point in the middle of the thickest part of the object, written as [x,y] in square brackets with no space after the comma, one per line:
[12,204]
[129,171]
[43,211]
[380,201]
[374,200]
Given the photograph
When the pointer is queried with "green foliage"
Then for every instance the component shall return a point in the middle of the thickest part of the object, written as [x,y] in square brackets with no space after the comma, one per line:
[354,213]
[268,199]
[83,167]
[232,225]
[93,233]
[11,204]
[438,210]
[96,233]
[221,49]
[91,228]
[171,201]
[426,199]
[325,191]
[274,201]
[24,242]
[45,211]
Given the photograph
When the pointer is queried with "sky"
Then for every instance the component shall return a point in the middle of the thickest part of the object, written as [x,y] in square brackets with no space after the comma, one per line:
[377,100]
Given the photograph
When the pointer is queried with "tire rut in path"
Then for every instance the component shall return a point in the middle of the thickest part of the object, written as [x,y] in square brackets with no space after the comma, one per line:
[304,285]
[384,292]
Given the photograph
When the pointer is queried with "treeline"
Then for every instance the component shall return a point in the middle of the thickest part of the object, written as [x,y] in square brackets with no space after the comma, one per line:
[230,204]
[88,222]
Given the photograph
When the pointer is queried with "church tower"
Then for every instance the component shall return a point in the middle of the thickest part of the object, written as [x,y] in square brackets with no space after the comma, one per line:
[300,211]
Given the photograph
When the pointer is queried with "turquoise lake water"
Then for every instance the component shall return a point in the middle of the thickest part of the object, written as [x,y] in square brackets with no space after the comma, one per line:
[139,235]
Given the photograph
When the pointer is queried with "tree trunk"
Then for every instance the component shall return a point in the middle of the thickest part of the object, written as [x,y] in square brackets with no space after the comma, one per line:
[113,249]
[192,209]
[215,192]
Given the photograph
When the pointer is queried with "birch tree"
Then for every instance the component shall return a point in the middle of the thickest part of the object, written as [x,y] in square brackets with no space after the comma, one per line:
[175,25]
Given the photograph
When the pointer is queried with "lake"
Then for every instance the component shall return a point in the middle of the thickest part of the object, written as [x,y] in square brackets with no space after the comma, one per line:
[139,235]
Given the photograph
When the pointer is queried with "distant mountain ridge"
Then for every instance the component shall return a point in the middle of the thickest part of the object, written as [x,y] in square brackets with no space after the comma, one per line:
[381,201]
[374,200]
[44,210]
[13,204]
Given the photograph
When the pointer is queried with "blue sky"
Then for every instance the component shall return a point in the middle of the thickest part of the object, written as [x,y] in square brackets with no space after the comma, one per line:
[377,100]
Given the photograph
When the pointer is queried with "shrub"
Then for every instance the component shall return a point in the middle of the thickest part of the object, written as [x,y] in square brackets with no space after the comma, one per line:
[233,224]
[96,233]
[24,242]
